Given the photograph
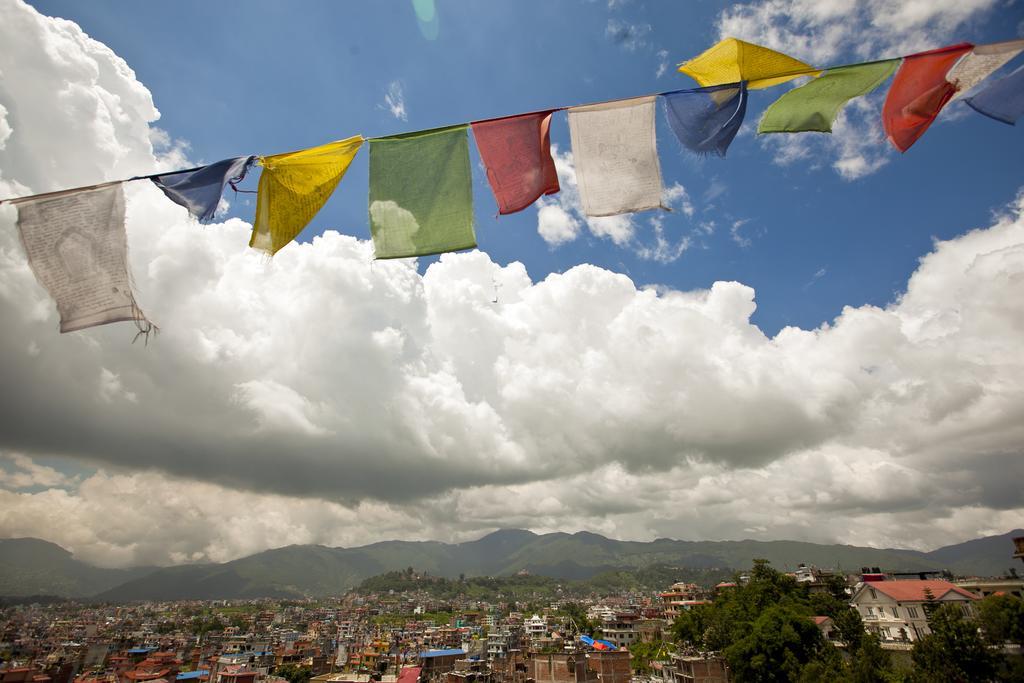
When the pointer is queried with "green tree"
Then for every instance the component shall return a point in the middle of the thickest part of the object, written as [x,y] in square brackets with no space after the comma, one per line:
[1001,618]
[869,663]
[293,673]
[930,604]
[691,625]
[954,650]
[779,645]
[641,655]
[850,627]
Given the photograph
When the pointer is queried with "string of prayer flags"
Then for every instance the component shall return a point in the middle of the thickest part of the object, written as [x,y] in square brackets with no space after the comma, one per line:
[1002,100]
[918,93]
[706,120]
[614,146]
[294,186]
[199,190]
[815,105]
[421,194]
[516,152]
[77,248]
[980,63]
[732,60]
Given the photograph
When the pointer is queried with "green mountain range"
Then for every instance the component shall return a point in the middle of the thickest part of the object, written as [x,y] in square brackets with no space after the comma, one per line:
[32,567]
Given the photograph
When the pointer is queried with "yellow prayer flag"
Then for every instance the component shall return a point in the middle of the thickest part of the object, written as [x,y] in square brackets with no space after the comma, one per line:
[294,187]
[732,60]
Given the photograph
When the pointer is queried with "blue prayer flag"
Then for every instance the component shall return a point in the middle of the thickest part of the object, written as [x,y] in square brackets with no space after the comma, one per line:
[1003,100]
[706,120]
[199,190]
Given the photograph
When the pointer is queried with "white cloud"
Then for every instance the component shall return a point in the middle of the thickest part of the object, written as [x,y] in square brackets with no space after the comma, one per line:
[662,63]
[676,195]
[556,225]
[394,101]
[818,274]
[857,144]
[630,37]
[737,236]
[324,399]
[822,31]
[663,251]
[560,216]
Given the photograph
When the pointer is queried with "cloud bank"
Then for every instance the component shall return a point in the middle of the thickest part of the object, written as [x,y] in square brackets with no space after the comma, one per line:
[317,397]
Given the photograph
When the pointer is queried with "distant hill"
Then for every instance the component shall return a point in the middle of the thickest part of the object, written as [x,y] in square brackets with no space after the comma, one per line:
[30,566]
[987,556]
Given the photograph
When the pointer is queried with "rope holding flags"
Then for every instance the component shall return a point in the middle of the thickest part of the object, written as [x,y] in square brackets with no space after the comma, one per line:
[421,196]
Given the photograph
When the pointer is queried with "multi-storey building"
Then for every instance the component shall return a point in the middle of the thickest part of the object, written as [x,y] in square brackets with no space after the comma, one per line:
[895,610]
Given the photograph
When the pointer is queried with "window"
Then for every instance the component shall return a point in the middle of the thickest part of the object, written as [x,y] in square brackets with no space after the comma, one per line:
[881,611]
[871,611]
[874,595]
[895,612]
[912,612]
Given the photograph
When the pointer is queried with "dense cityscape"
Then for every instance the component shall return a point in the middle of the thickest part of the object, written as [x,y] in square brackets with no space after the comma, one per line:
[407,626]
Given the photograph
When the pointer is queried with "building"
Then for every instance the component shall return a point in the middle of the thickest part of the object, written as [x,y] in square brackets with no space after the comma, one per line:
[1018,547]
[895,609]
[535,627]
[987,587]
[682,596]
[827,628]
[502,641]
[697,669]
[610,666]
[434,663]
[560,668]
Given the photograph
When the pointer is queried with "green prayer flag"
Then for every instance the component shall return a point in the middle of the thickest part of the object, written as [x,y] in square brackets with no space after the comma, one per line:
[421,196]
[814,106]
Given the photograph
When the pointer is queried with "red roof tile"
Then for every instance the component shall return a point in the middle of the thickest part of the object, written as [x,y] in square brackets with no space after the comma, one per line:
[913,590]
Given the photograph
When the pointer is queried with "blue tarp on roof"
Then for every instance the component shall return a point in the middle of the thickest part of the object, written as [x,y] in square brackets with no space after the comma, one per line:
[140,650]
[442,653]
[187,675]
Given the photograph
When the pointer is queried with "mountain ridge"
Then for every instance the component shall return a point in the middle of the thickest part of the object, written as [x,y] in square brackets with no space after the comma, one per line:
[35,566]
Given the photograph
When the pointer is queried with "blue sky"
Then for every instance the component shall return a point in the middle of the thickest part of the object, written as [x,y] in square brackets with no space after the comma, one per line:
[270,77]
[325,398]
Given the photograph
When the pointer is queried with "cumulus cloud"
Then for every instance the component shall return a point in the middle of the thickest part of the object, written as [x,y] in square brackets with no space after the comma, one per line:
[322,399]
[833,31]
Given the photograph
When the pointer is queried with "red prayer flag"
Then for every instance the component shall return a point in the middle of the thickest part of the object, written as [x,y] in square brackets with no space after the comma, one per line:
[919,91]
[517,155]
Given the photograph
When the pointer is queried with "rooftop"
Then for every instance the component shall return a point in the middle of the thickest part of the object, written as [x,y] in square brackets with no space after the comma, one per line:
[911,590]
[442,653]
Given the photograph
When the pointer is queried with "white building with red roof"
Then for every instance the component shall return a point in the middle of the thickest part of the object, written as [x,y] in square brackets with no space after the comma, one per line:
[895,609]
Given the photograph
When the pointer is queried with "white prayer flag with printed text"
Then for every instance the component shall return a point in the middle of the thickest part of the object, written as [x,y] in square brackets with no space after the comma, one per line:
[77,248]
[616,154]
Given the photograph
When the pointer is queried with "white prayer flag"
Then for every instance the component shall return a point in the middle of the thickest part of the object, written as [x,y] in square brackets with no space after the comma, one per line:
[78,249]
[616,154]
[980,63]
